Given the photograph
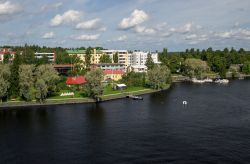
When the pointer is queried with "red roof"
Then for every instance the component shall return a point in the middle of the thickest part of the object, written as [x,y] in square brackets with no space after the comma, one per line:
[108,72]
[76,80]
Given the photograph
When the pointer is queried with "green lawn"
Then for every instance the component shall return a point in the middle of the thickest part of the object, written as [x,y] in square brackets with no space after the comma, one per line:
[108,90]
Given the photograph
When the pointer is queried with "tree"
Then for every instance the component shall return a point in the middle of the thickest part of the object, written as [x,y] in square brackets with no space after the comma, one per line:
[115,57]
[88,57]
[158,77]
[7,58]
[195,68]
[46,79]
[134,79]
[14,78]
[149,62]
[246,67]
[4,80]
[94,86]
[26,81]
[105,59]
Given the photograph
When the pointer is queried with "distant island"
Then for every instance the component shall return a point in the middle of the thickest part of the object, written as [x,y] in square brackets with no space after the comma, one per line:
[32,74]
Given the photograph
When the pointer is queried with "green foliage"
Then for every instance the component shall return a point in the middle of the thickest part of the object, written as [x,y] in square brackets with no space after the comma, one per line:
[7,58]
[94,86]
[88,57]
[115,57]
[77,70]
[158,77]
[4,80]
[105,59]
[246,68]
[149,62]
[41,90]
[46,80]
[26,81]
[14,78]
[195,68]
[134,79]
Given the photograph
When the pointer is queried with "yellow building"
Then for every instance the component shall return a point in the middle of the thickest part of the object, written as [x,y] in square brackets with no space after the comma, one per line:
[113,75]
[95,56]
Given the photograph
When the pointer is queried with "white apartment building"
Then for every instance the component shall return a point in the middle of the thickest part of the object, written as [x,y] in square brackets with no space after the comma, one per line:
[51,55]
[140,57]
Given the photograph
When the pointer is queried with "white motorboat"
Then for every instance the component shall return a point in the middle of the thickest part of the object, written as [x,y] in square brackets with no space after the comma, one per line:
[222,81]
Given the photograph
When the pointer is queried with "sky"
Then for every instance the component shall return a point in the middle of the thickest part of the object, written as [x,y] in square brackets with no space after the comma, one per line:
[127,24]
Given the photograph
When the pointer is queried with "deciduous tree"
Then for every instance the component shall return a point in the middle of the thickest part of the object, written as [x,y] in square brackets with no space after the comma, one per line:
[94,86]
[26,81]
[4,80]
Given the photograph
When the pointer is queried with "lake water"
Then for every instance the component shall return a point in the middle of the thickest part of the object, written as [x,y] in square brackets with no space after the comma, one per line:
[213,128]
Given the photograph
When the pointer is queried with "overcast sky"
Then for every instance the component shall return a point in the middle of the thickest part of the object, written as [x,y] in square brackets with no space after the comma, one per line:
[127,24]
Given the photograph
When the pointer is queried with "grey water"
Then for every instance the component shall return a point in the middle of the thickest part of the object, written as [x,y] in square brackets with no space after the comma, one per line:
[214,127]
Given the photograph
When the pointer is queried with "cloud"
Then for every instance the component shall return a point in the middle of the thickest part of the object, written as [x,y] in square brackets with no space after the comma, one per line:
[87,37]
[48,35]
[52,6]
[183,30]
[245,32]
[71,16]
[90,24]
[137,17]
[144,31]
[8,9]
[122,38]
[225,35]
[195,38]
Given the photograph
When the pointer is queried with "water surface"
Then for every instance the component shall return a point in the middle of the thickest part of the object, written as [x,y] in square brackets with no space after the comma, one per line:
[213,128]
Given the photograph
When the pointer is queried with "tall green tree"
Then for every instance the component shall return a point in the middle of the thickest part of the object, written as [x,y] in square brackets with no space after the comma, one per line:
[134,79]
[105,59]
[246,67]
[88,57]
[159,76]
[7,58]
[4,80]
[14,78]
[46,79]
[149,62]
[115,57]
[94,87]
[26,81]
[195,68]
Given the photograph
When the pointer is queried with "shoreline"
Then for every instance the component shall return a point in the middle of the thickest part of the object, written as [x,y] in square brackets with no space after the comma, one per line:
[52,102]
[104,98]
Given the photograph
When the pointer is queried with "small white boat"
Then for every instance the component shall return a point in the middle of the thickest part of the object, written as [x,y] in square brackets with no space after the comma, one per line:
[222,81]
[194,80]
[207,80]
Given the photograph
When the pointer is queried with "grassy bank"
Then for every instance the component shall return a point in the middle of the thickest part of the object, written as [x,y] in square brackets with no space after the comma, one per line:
[109,94]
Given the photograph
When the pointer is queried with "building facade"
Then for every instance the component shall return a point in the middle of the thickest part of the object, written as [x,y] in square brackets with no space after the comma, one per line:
[50,55]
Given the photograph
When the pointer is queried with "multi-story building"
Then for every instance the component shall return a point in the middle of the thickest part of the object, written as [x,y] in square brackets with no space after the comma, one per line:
[50,55]
[79,53]
[109,66]
[6,51]
[123,56]
[95,55]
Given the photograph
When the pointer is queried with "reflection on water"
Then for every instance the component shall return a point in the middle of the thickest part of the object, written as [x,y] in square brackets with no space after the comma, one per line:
[214,127]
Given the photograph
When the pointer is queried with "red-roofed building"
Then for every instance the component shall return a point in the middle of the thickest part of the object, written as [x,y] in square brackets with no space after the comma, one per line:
[78,80]
[6,51]
[113,74]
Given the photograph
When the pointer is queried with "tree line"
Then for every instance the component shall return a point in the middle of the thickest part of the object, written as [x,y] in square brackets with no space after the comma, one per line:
[218,61]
